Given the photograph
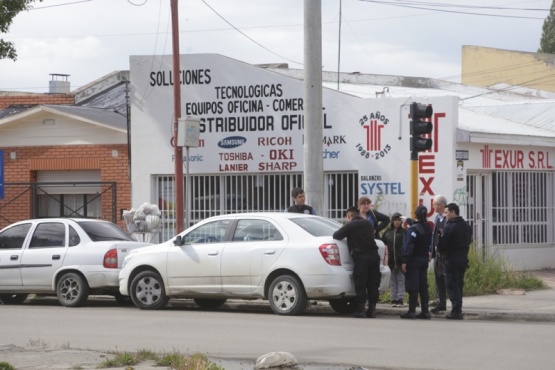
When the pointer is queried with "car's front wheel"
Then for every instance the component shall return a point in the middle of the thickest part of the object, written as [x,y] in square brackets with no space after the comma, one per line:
[210,304]
[13,298]
[344,305]
[72,290]
[287,296]
[147,291]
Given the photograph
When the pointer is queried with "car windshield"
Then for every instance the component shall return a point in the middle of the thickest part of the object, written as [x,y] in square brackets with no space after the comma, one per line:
[104,231]
[317,226]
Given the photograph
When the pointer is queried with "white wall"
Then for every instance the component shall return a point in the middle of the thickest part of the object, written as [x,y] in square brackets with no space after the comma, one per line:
[353,127]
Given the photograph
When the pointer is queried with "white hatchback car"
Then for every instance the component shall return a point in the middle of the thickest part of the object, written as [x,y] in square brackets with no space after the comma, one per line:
[70,257]
[287,258]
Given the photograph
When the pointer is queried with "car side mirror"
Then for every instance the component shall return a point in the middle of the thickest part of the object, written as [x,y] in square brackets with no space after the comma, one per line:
[178,241]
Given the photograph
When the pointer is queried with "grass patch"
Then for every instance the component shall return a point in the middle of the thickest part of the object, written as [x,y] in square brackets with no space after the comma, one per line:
[6,366]
[120,360]
[485,275]
[173,360]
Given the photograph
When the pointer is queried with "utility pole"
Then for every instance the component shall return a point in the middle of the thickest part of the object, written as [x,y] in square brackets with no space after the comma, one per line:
[178,150]
[313,123]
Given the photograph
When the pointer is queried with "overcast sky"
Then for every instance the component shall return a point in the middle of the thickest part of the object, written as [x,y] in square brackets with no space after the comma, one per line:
[88,39]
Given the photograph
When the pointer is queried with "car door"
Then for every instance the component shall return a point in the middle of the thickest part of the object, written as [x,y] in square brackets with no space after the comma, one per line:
[44,255]
[12,244]
[194,268]
[255,246]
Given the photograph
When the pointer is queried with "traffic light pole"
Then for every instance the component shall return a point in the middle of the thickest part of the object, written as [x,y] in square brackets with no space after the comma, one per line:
[420,115]
[413,181]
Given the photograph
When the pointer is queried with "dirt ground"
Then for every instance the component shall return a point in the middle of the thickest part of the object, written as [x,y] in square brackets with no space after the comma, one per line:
[46,358]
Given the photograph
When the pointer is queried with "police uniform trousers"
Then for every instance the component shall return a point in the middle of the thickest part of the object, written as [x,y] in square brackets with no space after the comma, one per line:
[367,277]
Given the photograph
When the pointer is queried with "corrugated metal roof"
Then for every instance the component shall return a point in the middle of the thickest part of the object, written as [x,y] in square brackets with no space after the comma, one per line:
[529,114]
[477,122]
[518,111]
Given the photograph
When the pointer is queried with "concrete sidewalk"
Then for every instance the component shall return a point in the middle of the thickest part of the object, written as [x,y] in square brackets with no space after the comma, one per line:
[538,305]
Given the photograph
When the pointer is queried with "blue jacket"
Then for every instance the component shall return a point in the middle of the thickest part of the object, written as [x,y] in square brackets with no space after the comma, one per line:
[416,242]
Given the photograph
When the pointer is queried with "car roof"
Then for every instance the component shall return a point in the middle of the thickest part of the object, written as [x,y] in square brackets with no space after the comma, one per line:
[58,219]
[274,215]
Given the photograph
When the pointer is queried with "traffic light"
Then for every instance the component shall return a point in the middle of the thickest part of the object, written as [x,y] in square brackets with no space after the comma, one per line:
[418,127]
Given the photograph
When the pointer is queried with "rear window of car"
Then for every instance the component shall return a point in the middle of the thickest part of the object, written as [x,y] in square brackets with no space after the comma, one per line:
[104,231]
[316,226]
[49,235]
[14,237]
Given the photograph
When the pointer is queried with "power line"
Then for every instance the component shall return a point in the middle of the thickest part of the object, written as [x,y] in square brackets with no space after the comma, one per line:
[437,8]
[242,33]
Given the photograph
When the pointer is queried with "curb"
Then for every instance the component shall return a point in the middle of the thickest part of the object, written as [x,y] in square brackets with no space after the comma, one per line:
[385,310]
[479,315]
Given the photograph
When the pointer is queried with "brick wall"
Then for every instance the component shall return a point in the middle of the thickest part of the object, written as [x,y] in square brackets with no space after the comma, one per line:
[36,99]
[16,204]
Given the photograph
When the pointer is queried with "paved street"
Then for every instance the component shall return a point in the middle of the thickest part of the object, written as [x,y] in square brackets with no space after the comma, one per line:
[43,335]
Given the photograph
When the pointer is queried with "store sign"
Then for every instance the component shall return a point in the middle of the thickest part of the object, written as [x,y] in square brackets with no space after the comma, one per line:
[461,155]
[251,121]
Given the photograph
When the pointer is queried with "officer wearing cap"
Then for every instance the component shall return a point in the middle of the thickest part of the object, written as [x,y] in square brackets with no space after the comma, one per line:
[416,243]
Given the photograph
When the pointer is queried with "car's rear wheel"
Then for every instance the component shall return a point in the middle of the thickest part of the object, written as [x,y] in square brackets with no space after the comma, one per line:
[147,291]
[287,296]
[72,290]
[13,298]
[344,305]
[210,304]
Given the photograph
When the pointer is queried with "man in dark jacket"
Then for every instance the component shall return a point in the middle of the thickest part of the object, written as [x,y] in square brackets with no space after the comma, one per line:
[454,245]
[378,220]
[299,206]
[366,259]
[416,246]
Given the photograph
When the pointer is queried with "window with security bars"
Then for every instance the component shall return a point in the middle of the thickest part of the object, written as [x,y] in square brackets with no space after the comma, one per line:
[213,195]
[522,207]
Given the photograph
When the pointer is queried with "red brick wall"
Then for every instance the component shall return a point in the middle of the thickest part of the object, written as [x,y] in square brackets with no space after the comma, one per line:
[16,204]
[35,99]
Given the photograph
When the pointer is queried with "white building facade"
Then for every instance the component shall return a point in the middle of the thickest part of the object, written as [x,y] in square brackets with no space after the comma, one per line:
[251,154]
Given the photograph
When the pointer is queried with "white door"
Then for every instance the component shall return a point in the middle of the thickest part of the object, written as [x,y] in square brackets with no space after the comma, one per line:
[44,254]
[12,243]
[478,205]
[194,268]
[256,244]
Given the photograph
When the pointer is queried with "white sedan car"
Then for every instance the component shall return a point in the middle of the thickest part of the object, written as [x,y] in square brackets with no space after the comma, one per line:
[286,258]
[69,257]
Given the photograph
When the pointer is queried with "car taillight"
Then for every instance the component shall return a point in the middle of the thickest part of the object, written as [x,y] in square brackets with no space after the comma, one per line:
[330,252]
[111,259]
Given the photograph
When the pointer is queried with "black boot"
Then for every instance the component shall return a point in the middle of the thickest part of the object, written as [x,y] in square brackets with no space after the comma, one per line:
[371,313]
[408,315]
[359,313]
[454,315]
[411,314]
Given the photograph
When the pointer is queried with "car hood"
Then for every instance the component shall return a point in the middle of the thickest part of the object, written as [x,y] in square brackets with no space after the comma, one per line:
[145,249]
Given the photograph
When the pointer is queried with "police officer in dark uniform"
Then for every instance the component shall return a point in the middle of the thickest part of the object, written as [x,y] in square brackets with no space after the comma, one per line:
[415,258]
[366,259]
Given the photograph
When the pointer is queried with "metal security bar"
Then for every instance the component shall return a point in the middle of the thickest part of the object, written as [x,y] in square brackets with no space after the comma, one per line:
[522,208]
[222,194]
